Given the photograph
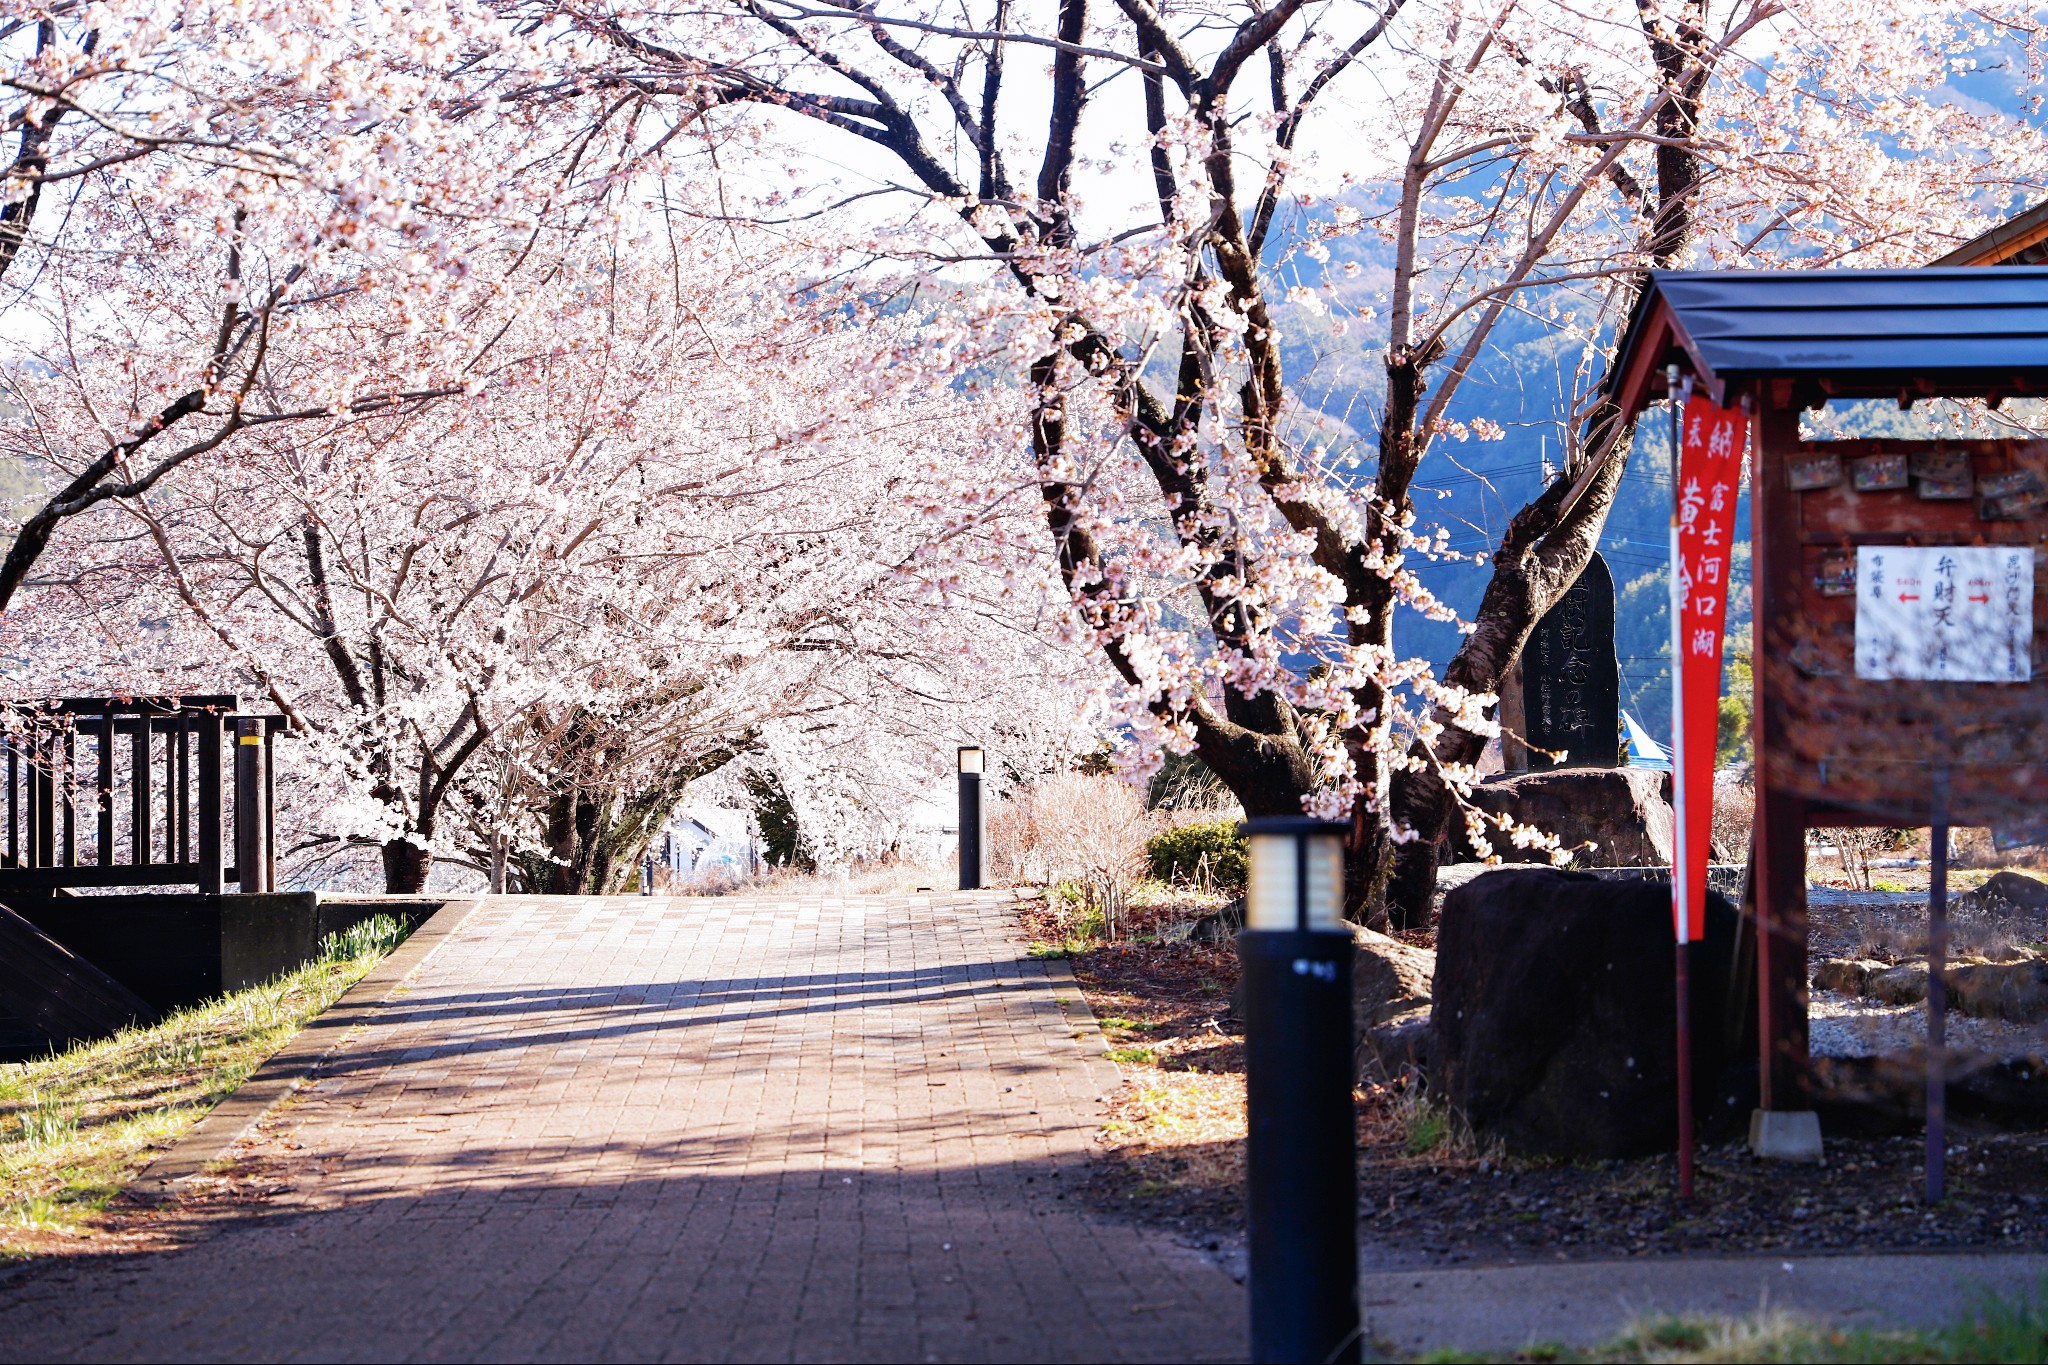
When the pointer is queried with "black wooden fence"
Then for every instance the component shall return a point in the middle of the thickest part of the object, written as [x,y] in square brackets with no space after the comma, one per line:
[126,791]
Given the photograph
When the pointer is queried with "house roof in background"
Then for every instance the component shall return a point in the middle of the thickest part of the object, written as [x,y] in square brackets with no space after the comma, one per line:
[1927,332]
[2020,240]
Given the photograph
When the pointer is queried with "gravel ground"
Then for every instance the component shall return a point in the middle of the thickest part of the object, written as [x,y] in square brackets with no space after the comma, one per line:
[1891,927]
[1454,1208]
[1428,1197]
[1850,1026]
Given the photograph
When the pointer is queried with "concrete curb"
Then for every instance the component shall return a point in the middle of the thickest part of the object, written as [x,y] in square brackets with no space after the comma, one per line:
[299,1058]
[1503,1309]
[1107,1075]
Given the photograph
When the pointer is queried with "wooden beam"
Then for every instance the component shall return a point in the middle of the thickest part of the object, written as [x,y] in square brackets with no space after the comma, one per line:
[1779,840]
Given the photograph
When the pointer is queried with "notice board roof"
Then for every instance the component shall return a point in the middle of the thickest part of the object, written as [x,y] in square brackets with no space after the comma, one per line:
[2020,240]
[1927,332]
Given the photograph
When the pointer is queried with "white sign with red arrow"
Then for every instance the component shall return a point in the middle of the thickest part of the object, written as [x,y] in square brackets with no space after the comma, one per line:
[1945,613]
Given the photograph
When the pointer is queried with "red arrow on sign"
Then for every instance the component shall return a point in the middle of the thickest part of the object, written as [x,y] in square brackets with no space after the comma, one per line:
[1975,598]
[1904,597]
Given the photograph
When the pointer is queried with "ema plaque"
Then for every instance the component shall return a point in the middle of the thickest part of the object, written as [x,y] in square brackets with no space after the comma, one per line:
[1571,686]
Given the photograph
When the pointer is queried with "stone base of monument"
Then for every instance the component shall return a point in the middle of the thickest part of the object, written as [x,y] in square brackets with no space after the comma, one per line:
[1725,878]
[1785,1134]
[1553,1014]
[1614,817]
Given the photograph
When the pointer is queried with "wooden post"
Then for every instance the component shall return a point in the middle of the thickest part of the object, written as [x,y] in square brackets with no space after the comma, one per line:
[45,805]
[103,785]
[139,815]
[70,786]
[170,802]
[269,808]
[252,839]
[209,732]
[1779,848]
[13,801]
[182,736]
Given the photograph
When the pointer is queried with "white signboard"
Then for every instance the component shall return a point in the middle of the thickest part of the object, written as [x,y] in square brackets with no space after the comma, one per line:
[1945,613]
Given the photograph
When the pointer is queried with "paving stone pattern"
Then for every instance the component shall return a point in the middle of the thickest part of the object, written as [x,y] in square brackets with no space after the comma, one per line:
[720,1129]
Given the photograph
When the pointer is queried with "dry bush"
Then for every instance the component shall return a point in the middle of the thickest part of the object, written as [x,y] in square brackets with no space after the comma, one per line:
[1734,818]
[1073,827]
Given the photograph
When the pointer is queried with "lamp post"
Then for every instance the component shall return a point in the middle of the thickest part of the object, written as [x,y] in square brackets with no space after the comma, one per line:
[972,828]
[1301,1149]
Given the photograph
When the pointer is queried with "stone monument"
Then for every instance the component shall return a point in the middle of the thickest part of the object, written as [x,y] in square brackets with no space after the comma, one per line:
[1571,684]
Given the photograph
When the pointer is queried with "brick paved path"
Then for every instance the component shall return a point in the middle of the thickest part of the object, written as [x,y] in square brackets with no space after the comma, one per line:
[837,1128]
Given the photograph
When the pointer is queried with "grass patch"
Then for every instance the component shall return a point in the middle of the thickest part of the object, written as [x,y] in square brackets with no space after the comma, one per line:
[1131,1056]
[1428,1129]
[77,1125]
[1997,1330]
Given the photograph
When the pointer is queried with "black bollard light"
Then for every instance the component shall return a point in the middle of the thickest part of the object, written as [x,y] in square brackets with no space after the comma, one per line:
[972,828]
[1301,1150]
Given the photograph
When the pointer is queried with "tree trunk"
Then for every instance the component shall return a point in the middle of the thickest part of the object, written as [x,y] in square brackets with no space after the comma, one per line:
[406,865]
[1545,549]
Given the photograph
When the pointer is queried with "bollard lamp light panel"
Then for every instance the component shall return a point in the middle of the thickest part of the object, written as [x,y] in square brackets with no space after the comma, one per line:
[1297,875]
[971,759]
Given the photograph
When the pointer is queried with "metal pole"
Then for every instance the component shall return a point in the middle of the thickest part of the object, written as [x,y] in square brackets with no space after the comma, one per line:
[972,830]
[1685,1118]
[1937,995]
[252,842]
[1681,866]
[1301,1166]
[210,840]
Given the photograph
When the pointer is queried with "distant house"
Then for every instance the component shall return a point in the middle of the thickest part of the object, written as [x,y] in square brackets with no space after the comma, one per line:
[2020,240]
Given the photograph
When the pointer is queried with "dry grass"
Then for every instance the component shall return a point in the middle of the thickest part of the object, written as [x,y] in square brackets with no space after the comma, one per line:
[1178,1131]
[75,1127]
[882,879]
[1734,818]
[1997,1329]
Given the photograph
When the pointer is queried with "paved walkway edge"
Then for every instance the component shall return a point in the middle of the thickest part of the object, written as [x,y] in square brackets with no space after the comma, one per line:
[1106,1074]
[1509,1308]
[302,1055]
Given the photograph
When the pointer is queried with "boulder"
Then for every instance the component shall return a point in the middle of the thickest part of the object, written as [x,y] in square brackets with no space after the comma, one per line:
[1884,1095]
[2000,990]
[1451,876]
[1905,984]
[1623,813]
[1395,1048]
[1845,975]
[1219,926]
[2012,891]
[1552,1027]
[1390,985]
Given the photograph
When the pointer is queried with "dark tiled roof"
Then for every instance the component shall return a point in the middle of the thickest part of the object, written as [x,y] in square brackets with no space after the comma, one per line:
[1953,330]
[1829,322]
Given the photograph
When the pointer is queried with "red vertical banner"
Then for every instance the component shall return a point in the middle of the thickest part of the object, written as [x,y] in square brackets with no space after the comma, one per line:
[1709,478]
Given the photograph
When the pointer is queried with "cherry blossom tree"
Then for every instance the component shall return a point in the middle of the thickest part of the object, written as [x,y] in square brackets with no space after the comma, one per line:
[239,169]
[513,625]
[1235,554]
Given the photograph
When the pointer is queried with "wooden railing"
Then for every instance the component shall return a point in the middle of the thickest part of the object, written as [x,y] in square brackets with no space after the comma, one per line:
[126,791]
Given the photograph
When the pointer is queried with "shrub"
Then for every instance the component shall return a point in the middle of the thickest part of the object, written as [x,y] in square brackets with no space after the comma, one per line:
[1177,855]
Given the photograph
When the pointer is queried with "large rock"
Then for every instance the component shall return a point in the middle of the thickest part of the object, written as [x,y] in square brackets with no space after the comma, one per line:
[1554,1020]
[1846,975]
[1390,996]
[1623,813]
[2009,891]
[2000,990]
[1905,984]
